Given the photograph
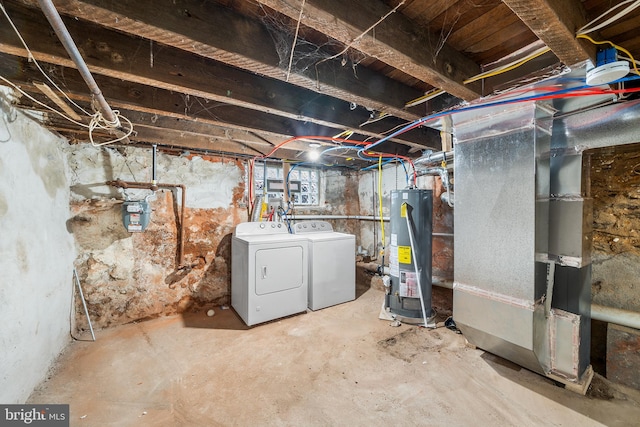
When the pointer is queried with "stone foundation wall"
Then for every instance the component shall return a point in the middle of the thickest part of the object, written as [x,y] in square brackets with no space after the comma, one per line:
[615,188]
[132,276]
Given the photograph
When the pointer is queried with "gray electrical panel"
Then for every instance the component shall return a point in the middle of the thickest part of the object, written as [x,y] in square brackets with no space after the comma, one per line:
[403,299]
[136,215]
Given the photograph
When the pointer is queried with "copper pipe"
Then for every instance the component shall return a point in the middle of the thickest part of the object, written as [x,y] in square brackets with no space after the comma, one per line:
[150,186]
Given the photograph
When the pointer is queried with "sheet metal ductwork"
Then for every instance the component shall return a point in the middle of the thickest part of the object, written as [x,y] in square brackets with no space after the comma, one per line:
[522,220]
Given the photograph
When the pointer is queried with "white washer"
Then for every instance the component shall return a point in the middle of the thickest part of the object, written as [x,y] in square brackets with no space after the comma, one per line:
[269,274]
[332,264]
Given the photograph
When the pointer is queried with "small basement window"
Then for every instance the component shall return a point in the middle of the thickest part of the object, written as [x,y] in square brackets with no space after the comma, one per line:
[304,183]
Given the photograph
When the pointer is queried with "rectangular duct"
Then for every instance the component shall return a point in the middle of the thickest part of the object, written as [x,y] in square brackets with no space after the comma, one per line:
[520,222]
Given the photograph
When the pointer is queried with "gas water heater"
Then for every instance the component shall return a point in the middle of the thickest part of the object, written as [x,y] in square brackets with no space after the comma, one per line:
[408,298]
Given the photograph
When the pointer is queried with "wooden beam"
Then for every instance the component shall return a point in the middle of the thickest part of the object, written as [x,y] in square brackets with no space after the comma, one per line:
[117,55]
[154,129]
[394,41]
[167,111]
[143,98]
[206,138]
[213,31]
[556,23]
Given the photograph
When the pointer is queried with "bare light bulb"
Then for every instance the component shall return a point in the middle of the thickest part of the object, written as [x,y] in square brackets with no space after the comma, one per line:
[313,155]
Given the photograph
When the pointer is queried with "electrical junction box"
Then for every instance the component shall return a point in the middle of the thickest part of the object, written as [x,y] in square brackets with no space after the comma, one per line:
[607,69]
[136,215]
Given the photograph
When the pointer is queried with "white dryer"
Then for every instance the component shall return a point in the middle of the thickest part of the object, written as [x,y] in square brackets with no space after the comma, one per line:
[269,274]
[332,264]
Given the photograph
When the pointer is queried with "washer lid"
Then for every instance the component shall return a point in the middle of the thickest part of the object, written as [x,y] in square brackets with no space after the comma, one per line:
[323,237]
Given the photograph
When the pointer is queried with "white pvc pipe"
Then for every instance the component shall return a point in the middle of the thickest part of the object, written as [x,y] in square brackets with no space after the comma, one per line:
[630,319]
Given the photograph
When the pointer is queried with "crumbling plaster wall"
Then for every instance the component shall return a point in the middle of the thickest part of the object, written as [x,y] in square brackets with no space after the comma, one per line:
[36,253]
[339,196]
[393,178]
[132,276]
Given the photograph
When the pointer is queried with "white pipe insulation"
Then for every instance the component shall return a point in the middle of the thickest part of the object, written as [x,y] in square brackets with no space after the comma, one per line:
[630,319]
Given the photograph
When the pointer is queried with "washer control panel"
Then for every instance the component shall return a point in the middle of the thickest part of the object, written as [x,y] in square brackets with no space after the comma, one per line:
[312,227]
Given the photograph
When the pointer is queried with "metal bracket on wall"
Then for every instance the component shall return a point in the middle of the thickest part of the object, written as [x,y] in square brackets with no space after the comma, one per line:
[551,271]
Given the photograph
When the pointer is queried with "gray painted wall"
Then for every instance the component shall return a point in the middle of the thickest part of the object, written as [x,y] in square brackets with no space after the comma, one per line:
[36,253]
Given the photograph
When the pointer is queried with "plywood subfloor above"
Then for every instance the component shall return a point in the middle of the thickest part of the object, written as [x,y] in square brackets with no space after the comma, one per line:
[338,366]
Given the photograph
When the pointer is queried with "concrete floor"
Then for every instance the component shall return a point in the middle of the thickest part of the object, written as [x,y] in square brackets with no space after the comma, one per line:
[337,366]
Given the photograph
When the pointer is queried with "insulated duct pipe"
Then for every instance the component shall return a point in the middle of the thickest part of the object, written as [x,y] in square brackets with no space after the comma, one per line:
[434,158]
[55,20]
[149,186]
[630,319]
[444,176]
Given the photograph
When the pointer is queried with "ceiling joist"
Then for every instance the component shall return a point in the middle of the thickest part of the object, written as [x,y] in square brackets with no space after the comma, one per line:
[215,32]
[556,23]
[394,40]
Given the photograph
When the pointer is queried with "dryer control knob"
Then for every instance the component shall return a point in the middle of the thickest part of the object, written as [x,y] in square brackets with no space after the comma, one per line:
[261,225]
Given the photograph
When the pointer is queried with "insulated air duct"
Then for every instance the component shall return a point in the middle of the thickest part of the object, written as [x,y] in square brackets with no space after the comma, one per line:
[522,273]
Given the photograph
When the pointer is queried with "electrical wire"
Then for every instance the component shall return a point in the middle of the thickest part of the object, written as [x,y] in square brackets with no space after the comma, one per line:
[366,152]
[569,92]
[368,168]
[297,138]
[371,156]
[629,59]
[508,67]
[391,160]
[42,104]
[380,203]
[99,122]
[424,98]
[587,29]
[32,58]
[620,48]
